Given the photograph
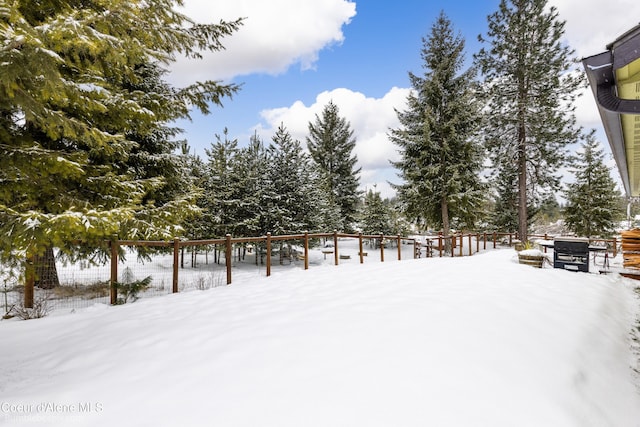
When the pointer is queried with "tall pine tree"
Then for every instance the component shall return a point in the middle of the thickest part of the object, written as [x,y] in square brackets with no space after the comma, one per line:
[331,145]
[295,206]
[530,92]
[593,207]
[254,189]
[441,160]
[222,194]
[81,102]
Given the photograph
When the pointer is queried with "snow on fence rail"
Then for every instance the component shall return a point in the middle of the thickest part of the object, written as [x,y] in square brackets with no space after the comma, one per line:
[267,247]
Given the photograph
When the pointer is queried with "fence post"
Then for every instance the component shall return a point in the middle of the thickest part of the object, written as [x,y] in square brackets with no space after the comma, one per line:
[494,240]
[477,242]
[440,242]
[461,243]
[615,247]
[29,281]
[470,247]
[399,248]
[113,292]
[306,250]
[382,248]
[484,238]
[511,240]
[268,254]
[360,248]
[227,256]
[176,256]
[453,246]
[335,246]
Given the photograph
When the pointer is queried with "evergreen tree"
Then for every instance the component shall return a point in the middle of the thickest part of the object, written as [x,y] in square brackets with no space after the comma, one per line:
[505,210]
[549,210]
[196,170]
[254,189]
[440,161]
[157,151]
[397,221]
[220,202]
[376,215]
[331,145]
[330,215]
[530,92]
[294,208]
[82,103]
[592,208]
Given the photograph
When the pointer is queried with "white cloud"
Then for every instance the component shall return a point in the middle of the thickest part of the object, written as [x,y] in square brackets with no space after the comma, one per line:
[592,24]
[276,35]
[370,120]
[279,34]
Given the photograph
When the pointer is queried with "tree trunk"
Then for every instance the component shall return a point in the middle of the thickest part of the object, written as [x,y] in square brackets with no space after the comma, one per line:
[522,159]
[522,185]
[46,274]
[446,226]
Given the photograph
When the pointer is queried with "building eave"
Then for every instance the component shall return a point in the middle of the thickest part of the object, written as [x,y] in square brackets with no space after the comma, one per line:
[603,71]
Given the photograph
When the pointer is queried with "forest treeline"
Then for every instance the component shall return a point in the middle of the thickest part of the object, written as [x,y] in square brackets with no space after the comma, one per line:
[89,149]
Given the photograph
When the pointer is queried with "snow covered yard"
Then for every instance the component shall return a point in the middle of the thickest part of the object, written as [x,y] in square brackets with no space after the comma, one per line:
[474,341]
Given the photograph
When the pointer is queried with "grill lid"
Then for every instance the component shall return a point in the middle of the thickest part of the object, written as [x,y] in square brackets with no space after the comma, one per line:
[570,245]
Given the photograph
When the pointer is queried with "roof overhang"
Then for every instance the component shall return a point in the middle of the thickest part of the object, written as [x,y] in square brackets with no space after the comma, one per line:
[614,77]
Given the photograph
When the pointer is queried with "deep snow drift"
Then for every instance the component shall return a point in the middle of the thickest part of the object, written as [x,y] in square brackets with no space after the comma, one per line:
[474,341]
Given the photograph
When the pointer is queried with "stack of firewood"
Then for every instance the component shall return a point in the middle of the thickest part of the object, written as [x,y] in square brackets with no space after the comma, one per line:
[631,248]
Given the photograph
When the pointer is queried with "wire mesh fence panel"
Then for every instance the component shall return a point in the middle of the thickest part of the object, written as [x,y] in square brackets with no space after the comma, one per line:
[10,289]
[81,284]
[143,273]
[201,267]
[144,269]
[60,284]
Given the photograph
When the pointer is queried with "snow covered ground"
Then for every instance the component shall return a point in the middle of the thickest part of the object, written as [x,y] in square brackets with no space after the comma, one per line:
[474,341]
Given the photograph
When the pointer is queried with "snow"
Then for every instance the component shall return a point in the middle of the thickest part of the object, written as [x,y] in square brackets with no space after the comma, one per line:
[531,252]
[31,223]
[473,341]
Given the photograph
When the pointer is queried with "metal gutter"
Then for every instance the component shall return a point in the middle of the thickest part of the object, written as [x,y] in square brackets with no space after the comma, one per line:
[601,72]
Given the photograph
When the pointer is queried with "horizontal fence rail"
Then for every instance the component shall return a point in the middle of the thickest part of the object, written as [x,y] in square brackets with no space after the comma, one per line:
[462,244]
[228,243]
[458,245]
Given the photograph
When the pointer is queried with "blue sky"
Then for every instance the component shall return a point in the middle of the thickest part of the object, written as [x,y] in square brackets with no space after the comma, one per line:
[294,56]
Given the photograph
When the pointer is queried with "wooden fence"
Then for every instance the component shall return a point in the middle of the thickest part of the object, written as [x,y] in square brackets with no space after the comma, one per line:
[228,242]
[454,245]
[431,246]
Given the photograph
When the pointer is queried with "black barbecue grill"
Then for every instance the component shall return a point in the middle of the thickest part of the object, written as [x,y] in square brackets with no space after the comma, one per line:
[571,254]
